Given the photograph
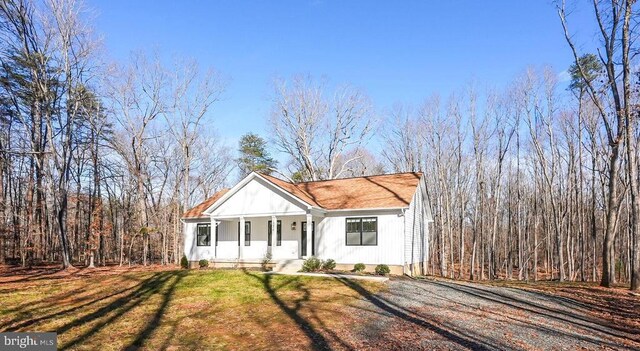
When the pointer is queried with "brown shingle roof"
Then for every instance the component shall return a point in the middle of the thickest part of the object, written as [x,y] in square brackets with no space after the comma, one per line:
[196,212]
[380,191]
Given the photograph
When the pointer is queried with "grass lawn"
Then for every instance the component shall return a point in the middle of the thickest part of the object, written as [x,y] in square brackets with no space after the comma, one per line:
[109,309]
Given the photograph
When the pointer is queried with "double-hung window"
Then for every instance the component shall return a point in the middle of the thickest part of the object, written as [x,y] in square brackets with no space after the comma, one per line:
[203,234]
[278,233]
[362,231]
[247,233]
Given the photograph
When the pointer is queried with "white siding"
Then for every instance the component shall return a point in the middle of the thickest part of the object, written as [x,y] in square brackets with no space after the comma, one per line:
[191,250]
[227,240]
[331,239]
[417,218]
[257,198]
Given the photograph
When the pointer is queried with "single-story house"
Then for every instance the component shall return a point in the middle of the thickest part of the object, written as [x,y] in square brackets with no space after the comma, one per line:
[382,219]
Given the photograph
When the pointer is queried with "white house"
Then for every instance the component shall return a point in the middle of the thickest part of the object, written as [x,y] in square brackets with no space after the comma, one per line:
[381,219]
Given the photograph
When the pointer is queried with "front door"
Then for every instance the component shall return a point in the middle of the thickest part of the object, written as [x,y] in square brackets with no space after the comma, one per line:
[303,240]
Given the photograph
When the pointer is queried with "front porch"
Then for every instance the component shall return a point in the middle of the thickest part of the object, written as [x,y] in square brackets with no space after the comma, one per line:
[247,240]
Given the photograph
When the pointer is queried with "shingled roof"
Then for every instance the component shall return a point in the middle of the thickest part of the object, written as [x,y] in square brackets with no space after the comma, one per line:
[379,191]
[196,212]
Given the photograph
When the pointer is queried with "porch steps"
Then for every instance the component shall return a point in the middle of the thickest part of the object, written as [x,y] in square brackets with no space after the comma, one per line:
[288,266]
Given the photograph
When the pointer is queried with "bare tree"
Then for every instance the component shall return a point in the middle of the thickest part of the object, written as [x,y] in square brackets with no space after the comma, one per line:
[614,21]
[316,131]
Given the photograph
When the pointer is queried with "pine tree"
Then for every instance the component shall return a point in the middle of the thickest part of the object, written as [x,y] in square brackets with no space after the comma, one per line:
[254,156]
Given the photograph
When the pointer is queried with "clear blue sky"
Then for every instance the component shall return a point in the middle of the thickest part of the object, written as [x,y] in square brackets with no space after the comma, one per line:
[397,51]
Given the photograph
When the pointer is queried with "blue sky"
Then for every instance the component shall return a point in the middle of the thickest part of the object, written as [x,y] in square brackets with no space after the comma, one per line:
[397,51]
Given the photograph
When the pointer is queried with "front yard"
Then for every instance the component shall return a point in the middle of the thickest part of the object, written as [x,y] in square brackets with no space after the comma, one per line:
[177,309]
[168,309]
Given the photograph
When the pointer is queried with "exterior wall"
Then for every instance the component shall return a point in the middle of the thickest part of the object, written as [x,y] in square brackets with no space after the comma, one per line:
[416,234]
[257,198]
[331,239]
[227,241]
[191,250]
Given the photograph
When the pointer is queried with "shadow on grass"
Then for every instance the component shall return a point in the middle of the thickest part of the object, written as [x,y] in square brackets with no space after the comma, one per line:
[318,341]
[162,283]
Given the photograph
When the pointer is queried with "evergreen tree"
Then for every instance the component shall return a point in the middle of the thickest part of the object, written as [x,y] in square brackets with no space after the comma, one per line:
[254,156]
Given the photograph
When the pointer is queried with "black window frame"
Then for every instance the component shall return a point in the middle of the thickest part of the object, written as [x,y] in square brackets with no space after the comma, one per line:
[346,226]
[278,233]
[198,226]
[247,233]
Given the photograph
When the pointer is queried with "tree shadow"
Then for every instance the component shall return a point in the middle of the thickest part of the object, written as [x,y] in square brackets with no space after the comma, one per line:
[163,283]
[24,323]
[515,319]
[465,341]
[318,341]
[557,314]
[154,322]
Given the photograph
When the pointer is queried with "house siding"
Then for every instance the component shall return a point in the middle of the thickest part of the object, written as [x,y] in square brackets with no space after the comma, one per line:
[331,239]
[191,250]
[256,198]
[416,233]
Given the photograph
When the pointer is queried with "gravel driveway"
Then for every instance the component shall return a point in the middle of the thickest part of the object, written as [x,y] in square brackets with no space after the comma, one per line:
[448,315]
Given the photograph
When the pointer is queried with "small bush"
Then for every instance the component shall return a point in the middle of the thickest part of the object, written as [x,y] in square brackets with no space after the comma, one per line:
[203,263]
[265,262]
[328,265]
[382,269]
[184,263]
[359,267]
[311,264]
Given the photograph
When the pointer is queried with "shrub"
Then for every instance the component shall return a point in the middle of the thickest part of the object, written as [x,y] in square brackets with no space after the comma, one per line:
[203,263]
[382,269]
[359,267]
[311,264]
[265,261]
[328,265]
[184,263]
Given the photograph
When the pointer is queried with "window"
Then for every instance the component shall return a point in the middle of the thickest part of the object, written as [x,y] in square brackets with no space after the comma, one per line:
[203,234]
[278,233]
[247,233]
[217,234]
[362,231]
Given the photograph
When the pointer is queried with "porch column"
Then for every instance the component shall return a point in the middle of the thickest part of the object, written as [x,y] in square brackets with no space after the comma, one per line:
[214,236]
[309,235]
[274,232]
[241,247]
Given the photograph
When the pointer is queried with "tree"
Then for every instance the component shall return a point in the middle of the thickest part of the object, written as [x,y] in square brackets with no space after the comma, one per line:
[316,131]
[613,100]
[254,156]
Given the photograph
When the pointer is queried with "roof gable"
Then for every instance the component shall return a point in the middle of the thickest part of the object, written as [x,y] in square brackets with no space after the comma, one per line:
[255,198]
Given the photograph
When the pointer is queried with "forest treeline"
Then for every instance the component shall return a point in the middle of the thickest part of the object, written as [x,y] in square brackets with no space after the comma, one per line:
[535,180]
[97,161]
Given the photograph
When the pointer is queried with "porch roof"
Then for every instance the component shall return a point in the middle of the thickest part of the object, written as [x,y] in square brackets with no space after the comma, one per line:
[196,212]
